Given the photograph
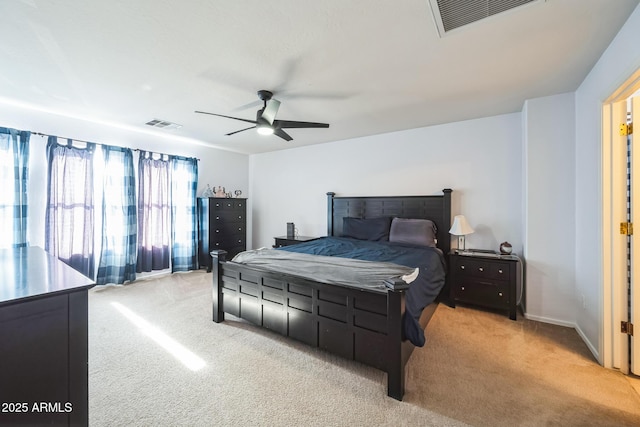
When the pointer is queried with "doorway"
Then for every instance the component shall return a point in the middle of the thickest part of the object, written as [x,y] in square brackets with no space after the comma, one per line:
[621,209]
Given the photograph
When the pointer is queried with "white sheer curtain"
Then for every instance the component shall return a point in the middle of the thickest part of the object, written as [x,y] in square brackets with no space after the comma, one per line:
[154,213]
[69,224]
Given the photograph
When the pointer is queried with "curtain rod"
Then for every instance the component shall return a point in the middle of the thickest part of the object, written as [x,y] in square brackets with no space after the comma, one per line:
[164,154]
[89,142]
[62,137]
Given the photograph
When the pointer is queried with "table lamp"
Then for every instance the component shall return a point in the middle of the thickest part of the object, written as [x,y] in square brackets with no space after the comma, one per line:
[460,228]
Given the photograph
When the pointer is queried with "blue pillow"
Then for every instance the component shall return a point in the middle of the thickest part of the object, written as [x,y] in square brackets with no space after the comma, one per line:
[376,229]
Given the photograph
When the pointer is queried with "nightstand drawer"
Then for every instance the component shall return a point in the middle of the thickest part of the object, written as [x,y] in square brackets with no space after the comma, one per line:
[489,294]
[482,268]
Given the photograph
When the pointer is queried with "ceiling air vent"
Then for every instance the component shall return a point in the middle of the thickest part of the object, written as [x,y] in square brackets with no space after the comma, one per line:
[452,14]
[163,124]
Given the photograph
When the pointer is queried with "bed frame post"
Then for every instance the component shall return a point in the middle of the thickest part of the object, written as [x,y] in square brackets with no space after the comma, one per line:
[330,196]
[217,256]
[395,362]
[446,219]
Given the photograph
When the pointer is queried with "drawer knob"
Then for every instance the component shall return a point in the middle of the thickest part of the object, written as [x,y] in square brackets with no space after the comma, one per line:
[500,271]
[217,217]
[239,216]
[462,267]
[462,288]
[499,294]
[480,268]
[217,231]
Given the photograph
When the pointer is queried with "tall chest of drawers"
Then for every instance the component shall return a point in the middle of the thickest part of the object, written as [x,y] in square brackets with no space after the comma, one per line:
[222,224]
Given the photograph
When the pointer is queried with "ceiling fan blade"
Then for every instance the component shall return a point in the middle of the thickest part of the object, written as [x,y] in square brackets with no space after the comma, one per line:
[270,111]
[282,134]
[252,104]
[228,117]
[294,124]
[241,130]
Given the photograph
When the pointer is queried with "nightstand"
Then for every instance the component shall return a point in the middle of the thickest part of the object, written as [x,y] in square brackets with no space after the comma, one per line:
[490,281]
[286,241]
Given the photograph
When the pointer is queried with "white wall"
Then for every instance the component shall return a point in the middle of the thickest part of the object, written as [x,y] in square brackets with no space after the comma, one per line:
[479,159]
[216,167]
[619,61]
[549,206]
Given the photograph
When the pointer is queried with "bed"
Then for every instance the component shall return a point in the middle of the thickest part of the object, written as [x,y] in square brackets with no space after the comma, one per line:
[365,323]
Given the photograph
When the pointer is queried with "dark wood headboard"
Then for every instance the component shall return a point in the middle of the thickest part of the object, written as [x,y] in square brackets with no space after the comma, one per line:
[435,208]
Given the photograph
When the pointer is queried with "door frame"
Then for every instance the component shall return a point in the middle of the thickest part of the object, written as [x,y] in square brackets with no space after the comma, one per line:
[615,348]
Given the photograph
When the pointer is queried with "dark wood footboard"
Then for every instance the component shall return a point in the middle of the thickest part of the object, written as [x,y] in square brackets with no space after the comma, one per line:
[361,325]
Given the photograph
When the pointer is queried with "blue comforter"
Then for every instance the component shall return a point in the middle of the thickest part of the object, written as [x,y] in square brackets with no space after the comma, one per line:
[422,291]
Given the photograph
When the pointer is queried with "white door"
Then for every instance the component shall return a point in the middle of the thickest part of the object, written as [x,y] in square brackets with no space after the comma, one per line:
[615,214]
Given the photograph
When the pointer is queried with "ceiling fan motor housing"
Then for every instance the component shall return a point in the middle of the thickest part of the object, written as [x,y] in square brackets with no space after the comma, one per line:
[265,95]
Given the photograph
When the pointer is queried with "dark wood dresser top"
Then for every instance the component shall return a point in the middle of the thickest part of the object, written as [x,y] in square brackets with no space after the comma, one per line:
[31,273]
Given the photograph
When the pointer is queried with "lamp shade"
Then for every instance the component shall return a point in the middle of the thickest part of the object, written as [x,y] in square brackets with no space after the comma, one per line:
[460,226]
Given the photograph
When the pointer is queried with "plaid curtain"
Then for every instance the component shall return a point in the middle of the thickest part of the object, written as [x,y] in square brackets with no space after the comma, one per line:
[184,219]
[154,213]
[69,223]
[119,235]
[14,174]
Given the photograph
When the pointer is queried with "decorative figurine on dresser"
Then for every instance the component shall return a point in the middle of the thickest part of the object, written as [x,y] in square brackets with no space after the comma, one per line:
[486,278]
[222,224]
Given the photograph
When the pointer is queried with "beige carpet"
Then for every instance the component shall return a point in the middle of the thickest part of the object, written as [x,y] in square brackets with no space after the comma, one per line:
[478,368]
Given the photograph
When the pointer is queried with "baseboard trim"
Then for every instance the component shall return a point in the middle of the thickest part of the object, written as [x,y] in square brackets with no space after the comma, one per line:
[573,325]
[590,346]
[550,320]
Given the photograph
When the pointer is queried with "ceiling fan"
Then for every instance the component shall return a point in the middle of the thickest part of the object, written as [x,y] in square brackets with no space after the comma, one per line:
[266,122]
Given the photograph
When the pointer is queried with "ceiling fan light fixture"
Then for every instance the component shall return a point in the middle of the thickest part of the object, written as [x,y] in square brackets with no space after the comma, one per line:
[265,130]
[266,123]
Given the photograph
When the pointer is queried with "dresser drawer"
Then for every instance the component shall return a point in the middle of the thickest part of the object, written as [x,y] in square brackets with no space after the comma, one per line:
[219,240]
[225,216]
[482,268]
[486,293]
[230,204]
[226,230]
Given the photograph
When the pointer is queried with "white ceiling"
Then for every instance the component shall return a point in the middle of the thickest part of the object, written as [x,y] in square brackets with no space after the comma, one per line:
[364,66]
